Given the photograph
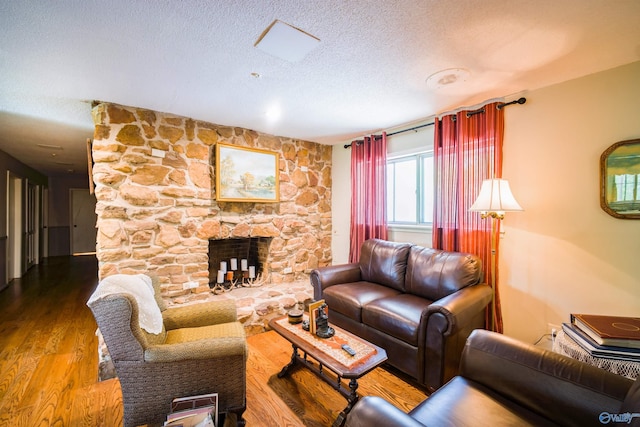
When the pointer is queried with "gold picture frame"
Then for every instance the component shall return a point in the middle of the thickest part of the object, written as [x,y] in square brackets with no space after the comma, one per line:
[620,180]
[246,174]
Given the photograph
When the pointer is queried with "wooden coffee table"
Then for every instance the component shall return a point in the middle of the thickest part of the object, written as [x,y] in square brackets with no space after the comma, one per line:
[329,355]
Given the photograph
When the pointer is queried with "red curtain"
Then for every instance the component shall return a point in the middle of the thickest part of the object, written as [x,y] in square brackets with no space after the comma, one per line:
[468,150]
[368,192]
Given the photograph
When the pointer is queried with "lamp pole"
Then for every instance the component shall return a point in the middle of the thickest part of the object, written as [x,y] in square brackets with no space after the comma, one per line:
[494,200]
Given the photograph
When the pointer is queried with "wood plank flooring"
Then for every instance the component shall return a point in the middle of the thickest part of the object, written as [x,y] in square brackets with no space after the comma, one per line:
[49,362]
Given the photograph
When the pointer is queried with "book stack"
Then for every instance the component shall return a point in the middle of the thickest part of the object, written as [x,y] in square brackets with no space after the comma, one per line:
[194,411]
[613,337]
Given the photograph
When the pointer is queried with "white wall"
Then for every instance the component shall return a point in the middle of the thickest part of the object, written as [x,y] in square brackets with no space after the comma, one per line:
[405,143]
[340,203]
[563,254]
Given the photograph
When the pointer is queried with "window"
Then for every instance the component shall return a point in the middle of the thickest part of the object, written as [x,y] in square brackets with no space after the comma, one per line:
[410,189]
[627,187]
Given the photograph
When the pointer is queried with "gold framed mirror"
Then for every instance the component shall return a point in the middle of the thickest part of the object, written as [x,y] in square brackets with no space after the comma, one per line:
[620,179]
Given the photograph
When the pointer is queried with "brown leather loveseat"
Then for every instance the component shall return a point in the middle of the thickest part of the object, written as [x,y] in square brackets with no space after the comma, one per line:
[419,304]
[505,382]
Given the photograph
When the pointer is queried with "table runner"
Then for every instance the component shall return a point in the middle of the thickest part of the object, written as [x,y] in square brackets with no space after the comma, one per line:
[333,346]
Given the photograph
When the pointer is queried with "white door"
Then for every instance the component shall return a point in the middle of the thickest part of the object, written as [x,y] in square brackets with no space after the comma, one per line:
[32,222]
[14,226]
[83,221]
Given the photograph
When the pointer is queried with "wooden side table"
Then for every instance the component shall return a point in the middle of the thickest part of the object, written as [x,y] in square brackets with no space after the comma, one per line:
[303,341]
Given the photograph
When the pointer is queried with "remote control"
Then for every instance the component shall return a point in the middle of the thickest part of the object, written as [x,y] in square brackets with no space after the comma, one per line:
[348,349]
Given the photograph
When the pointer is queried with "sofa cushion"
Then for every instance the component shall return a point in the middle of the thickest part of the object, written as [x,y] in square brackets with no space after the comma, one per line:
[466,403]
[220,331]
[435,274]
[398,316]
[384,262]
[348,299]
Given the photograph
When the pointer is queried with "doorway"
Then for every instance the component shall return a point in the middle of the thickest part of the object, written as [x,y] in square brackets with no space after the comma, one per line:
[83,222]
[32,221]
[14,227]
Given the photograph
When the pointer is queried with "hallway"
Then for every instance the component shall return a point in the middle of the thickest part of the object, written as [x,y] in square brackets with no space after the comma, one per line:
[48,356]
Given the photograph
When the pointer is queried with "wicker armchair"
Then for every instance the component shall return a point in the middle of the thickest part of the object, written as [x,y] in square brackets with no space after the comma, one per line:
[201,349]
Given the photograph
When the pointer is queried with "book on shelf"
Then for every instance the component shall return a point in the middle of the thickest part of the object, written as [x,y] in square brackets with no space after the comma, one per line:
[616,331]
[597,350]
[194,411]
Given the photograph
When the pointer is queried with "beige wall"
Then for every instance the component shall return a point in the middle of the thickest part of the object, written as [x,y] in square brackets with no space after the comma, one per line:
[563,254]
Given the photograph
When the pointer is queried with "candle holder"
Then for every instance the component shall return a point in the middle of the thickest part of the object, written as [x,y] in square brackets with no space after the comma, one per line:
[256,282]
[229,280]
[217,288]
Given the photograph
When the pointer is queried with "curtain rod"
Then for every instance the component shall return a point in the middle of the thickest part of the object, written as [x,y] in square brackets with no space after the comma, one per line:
[360,141]
[469,114]
[499,107]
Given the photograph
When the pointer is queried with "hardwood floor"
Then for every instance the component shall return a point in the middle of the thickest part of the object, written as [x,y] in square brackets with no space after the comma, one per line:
[49,362]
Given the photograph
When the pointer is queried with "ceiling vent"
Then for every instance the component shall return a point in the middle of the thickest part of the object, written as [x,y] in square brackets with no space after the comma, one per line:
[286,42]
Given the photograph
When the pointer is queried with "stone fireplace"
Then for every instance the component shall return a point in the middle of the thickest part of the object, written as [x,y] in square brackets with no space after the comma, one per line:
[156,201]
[252,251]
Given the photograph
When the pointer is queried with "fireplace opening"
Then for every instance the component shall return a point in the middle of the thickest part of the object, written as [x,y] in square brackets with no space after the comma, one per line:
[239,256]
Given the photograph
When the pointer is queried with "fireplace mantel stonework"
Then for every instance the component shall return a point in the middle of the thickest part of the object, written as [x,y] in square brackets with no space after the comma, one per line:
[156,215]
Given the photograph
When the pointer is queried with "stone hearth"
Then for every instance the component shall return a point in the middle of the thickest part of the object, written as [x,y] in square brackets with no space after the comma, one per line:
[257,305]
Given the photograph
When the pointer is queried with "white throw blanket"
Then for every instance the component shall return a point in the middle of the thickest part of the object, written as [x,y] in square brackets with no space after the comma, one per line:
[141,288]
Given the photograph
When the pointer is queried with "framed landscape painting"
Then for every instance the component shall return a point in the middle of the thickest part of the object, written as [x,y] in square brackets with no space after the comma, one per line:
[246,175]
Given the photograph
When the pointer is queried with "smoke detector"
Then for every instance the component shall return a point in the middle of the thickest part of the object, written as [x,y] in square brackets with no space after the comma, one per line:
[447,77]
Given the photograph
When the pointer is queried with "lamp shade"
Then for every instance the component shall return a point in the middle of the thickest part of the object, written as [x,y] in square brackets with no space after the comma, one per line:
[495,196]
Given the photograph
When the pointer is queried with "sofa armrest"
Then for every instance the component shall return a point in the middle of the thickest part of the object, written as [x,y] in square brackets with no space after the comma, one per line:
[322,278]
[375,411]
[461,307]
[559,388]
[200,314]
[449,321]
[202,349]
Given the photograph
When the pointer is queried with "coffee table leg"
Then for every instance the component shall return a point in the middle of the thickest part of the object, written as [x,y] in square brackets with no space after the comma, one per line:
[352,398]
[290,365]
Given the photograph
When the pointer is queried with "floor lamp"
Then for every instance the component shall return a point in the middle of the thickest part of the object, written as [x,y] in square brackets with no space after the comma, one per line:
[494,200]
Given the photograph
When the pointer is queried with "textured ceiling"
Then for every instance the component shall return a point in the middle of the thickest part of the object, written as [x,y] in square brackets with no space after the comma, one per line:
[196,58]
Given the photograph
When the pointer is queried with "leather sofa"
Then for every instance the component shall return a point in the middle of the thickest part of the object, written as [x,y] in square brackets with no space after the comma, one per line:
[417,303]
[505,382]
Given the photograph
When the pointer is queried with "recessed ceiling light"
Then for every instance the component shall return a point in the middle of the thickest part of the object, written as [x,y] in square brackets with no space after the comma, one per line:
[447,77]
[286,41]
[273,113]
